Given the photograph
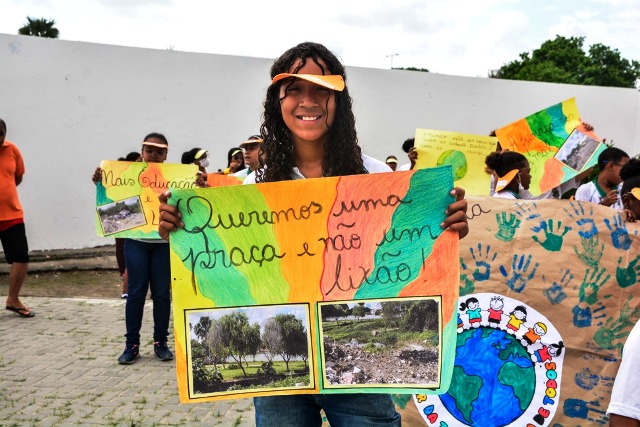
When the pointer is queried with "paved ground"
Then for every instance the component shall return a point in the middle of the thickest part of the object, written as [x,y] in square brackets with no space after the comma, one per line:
[59,369]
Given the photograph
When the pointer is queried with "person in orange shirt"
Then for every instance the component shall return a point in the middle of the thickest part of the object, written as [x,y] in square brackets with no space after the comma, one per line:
[12,231]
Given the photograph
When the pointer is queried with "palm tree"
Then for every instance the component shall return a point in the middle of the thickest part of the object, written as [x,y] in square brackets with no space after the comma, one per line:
[39,28]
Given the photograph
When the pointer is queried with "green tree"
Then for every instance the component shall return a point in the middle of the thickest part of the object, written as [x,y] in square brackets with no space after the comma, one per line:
[335,311]
[39,28]
[242,339]
[202,327]
[424,70]
[393,312]
[564,60]
[422,315]
[358,311]
[294,338]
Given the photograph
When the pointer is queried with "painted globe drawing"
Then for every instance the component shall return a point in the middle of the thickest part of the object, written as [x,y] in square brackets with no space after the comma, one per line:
[496,355]
[457,160]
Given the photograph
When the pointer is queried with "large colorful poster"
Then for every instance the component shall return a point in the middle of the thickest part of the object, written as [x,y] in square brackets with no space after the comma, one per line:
[333,285]
[127,196]
[542,135]
[549,292]
[464,153]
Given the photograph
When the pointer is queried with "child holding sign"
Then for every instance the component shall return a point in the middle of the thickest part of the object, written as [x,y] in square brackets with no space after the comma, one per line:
[147,262]
[309,132]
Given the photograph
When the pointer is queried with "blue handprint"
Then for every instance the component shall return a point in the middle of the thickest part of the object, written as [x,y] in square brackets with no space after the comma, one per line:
[553,242]
[581,316]
[619,234]
[519,278]
[587,225]
[483,266]
[556,294]
[526,210]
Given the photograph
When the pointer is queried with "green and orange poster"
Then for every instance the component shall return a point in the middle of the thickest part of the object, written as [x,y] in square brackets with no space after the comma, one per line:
[277,286]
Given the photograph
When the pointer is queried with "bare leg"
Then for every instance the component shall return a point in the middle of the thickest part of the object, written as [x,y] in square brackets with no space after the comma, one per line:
[17,275]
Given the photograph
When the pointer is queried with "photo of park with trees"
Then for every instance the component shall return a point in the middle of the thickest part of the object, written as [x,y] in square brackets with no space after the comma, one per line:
[250,348]
[373,343]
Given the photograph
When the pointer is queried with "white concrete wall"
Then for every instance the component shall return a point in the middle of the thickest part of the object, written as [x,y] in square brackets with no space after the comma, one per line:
[69,105]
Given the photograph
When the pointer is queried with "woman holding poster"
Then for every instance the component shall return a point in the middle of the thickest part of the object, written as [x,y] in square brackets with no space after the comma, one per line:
[309,132]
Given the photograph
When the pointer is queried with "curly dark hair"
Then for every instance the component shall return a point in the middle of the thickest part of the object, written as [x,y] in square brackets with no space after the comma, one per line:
[630,174]
[504,161]
[342,152]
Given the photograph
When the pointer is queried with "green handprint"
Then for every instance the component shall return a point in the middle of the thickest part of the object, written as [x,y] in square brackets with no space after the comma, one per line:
[617,329]
[506,227]
[592,250]
[628,276]
[553,242]
[591,285]
[467,286]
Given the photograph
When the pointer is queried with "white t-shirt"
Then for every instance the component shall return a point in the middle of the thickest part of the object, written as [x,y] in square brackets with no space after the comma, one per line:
[590,192]
[243,173]
[625,396]
[523,195]
[370,164]
[405,167]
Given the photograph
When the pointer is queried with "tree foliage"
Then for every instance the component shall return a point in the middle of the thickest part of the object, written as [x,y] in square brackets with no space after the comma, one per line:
[240,338]
[563,60]
[358,311]
[294,338]
[39,28]
[424,70]
[422,315]
[335,311]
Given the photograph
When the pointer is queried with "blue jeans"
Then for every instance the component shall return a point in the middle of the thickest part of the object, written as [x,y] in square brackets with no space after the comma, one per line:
[342,410]
[147,265]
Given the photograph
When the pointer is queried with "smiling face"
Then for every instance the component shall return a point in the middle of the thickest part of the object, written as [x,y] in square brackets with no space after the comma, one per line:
[308,110]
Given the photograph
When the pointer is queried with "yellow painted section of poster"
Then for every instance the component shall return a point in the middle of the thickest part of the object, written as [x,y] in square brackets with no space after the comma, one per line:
[465,153]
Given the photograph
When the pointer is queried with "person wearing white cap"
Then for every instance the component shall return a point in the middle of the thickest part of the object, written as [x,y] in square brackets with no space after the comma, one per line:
[251,150]
[198,157]
[147,262]
[392,162]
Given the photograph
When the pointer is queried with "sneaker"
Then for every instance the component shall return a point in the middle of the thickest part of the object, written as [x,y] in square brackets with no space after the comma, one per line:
[162,351]
[130,354]
[124,296]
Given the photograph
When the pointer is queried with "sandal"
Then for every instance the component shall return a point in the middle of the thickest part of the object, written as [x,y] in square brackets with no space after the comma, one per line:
[22,311]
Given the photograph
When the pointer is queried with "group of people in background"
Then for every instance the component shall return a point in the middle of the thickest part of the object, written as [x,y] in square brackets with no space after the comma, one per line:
[308,131]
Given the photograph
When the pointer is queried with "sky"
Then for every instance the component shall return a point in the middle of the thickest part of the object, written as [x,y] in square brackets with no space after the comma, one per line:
[463,38]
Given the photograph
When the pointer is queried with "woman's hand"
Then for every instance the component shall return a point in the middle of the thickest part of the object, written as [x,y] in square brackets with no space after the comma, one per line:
[413,156]
[97,176]
[169,217]
[201,180]
[457,214]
